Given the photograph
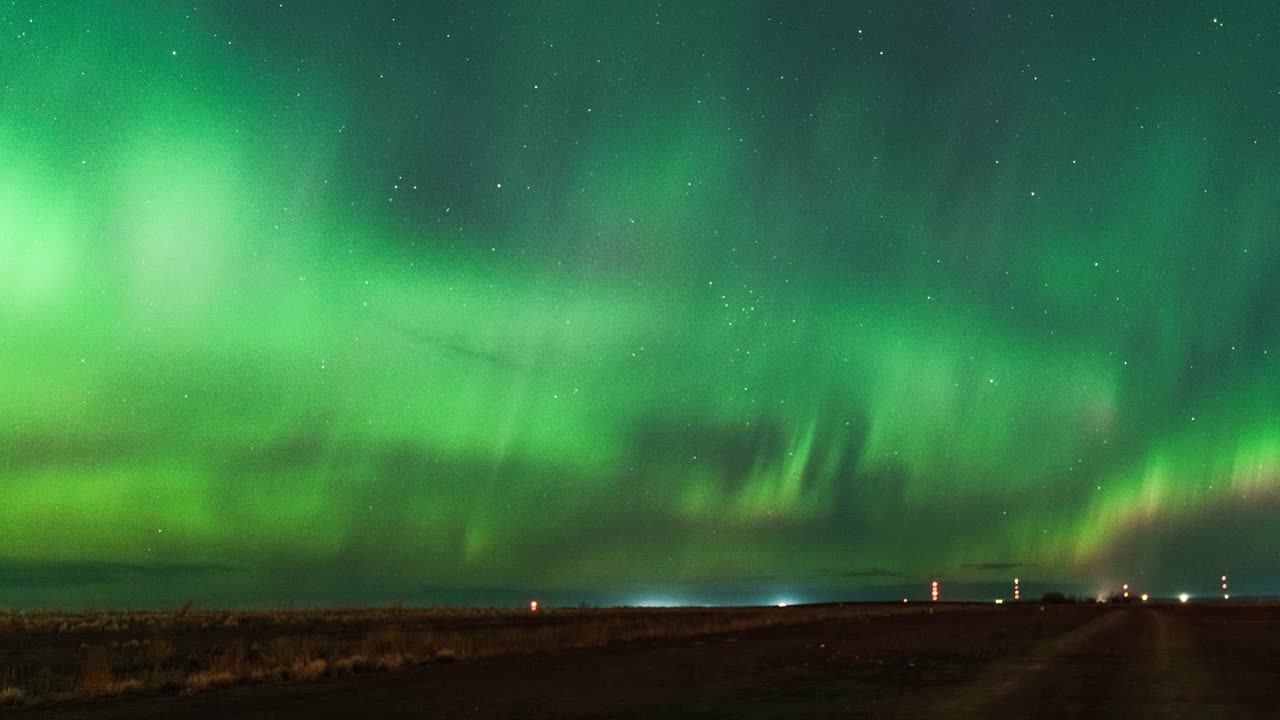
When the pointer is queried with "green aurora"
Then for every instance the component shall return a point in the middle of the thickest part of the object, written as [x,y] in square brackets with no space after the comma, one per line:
[363,302]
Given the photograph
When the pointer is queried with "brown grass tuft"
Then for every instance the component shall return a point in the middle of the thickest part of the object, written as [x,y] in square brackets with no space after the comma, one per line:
[390,661]
[307,671]
[384,641]
[10,695]
[351,664]
[206,680]
[159,651]
[96,678]
[232,659]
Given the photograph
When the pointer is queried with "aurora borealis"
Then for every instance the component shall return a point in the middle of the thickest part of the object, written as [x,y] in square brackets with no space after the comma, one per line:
[364,302]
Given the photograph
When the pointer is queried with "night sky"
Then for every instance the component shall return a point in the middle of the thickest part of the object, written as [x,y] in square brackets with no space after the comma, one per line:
[636,302]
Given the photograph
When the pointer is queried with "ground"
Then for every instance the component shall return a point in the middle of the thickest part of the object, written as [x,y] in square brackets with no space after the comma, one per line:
[1054,661]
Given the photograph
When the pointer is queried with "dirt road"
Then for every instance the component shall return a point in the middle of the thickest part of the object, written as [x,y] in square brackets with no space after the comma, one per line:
[1062,662]
[1169,662]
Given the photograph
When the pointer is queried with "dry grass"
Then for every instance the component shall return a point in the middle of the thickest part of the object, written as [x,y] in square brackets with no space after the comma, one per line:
[12,695]
[206,680]
[96,677]
[351,664]
[159,650]
[194,651]
[309,670]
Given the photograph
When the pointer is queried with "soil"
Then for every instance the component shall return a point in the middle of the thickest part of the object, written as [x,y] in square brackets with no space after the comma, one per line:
[1062,661]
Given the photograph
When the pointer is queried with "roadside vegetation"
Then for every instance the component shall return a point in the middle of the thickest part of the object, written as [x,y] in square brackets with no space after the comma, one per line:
[54,656]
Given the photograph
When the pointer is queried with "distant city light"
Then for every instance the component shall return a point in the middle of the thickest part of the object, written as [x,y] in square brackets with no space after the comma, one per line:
[533,606]
[1184,597]
[782,604]
[660,601]
[999,601]
[904,601]
[1144,597]
[933,591]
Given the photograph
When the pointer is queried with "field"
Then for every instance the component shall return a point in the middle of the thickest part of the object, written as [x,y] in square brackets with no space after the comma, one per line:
[1210,660]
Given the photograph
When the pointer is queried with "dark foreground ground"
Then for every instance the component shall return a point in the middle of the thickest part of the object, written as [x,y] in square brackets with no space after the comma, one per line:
[1061,662]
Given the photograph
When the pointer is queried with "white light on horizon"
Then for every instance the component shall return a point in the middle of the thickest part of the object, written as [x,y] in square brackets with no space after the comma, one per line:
[1184,597]
[660,602]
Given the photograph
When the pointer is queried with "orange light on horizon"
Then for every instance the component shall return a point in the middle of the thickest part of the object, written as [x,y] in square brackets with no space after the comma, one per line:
[533,606]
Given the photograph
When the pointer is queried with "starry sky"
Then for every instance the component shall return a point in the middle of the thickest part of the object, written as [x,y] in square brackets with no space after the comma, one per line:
[636,302]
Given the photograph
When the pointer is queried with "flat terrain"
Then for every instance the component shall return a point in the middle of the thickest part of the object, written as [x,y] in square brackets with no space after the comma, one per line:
[1171,661]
